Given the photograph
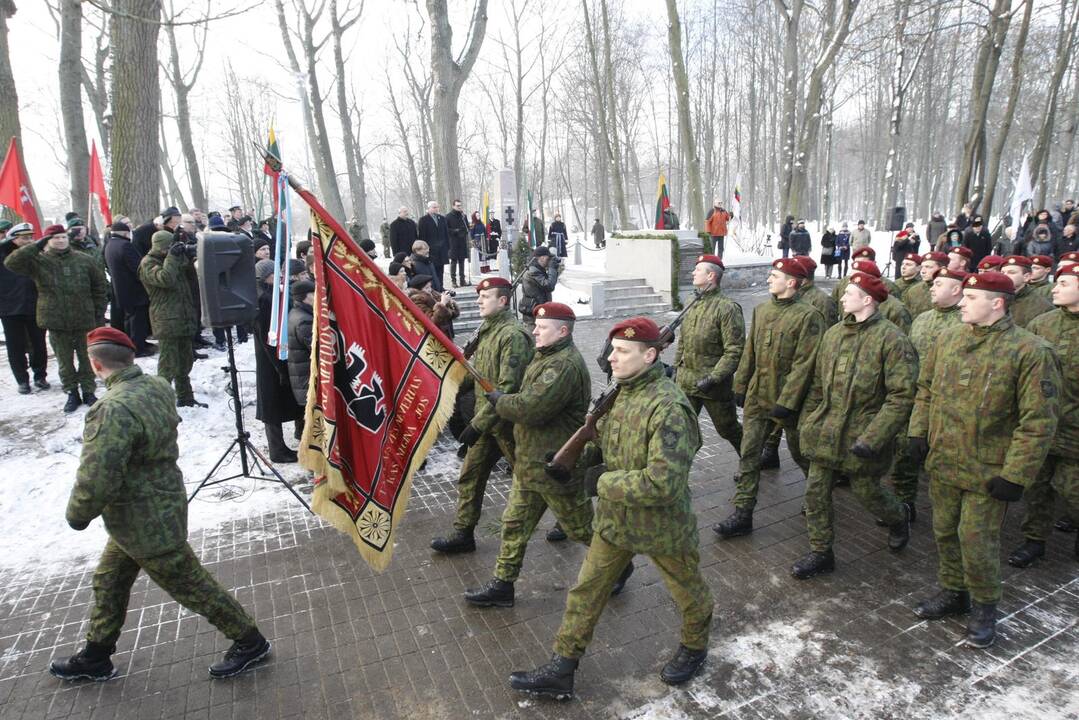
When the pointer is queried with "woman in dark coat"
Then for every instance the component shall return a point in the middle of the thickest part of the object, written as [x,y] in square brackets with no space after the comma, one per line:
[422,265]
[827,250]
[558,235]
[479,234]
[301,321]
[276,403]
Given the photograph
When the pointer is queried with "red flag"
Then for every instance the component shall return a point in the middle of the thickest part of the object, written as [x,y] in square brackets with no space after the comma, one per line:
[383,383]
[15,191]
[97,184]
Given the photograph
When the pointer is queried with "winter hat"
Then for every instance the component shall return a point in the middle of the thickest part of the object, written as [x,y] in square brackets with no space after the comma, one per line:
[554,311]
[400,257]
[5,225]
[541,251]
[302,288]
[263,269]
[295,267]
[112,336]
[872,286]
[74,222]
[991,281]
[368,246]
[417,282]
[976,221]
[637,329]
[169,212]
[216,223]
[161,240]
[955,235]
[395,267]
[68,216]
[260,242]
[120,227]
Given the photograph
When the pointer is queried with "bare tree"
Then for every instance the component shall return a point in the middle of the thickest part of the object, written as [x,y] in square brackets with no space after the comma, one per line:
[70,70]
[1065,42]
[9,110]
[685,122]
[182,83]
[339,24]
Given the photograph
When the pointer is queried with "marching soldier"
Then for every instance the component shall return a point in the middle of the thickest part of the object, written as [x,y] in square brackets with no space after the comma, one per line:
[986,413]
[1028,303]
[128,475]
[502,355]
[861,397]
[810,293]
[909,275]
[713,336]
[916,297]
[864,253]
[647,442]
[891,309]
[771,382]
[71,298]
[1041,266]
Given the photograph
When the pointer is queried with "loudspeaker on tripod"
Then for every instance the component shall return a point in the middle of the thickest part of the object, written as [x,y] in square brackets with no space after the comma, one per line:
[897,218]
[226,271]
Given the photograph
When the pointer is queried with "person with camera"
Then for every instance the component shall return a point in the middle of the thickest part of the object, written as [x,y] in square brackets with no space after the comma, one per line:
[163,273]
[539,282]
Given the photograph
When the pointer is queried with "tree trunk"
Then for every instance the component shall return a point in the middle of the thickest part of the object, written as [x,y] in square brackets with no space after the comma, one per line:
[356,191]
[685,122]
[1038,158]
[181,86]
[331,192]
[135,148]
[174,195]
[78,153]
[791,20]
[617,165]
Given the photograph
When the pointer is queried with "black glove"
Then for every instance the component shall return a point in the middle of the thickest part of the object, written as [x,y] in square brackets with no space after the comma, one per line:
[740,399]
[492,397]
[781,413]
[918,449]
[862,450]
[176,249]
[548,457]
[78,525]
[42,243]
[469,436]
[591,479]
[1004,490]
[705,385]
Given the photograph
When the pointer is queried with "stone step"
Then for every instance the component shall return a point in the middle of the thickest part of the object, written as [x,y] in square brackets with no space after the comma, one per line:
[624,283]
[634,300]
[632,291]
[641,309]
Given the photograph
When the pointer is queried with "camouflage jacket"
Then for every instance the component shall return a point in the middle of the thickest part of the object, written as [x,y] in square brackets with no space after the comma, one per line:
[902,285]
[71,289]
[164,275]
[713,337]
[503,353]
[777,365]
[128,472]
[917,299]
[821,300]
[988,401]
[648,441]
[1027,305]
[896,313]
[928,326]
[863,389]
[549,408]
[1061,329]
[1045,287]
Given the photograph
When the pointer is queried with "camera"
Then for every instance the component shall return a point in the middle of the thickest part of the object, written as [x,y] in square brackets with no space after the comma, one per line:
[453,293]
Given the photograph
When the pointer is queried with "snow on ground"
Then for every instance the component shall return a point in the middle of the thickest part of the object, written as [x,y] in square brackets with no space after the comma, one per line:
[40,455]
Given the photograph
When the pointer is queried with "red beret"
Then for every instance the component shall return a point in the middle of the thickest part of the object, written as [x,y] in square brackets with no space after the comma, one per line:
[1072,256]
[951,274]
[1018,260]
[914,258]
[938,257]
[807,262]
[102,335]
[872,285]
[637,329]
[791,267]
[1042,261]
[866,252]
[991,281]
[494,282]
[53,230]
[990,262]
[714,259]
[866,266]
[553,311]
[1070,270]
[962,250]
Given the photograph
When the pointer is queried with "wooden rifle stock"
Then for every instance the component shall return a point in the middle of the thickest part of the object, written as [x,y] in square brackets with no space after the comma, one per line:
[566,458]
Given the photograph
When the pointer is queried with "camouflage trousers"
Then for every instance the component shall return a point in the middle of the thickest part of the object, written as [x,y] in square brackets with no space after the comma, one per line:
[905,471]
[523,512]
[600,571]
[724,416]
[774,437]
[820,523]
[69,347]
[475,470]
[174,360]
[179,573]
[966,525]
[1060,476]
[755,432]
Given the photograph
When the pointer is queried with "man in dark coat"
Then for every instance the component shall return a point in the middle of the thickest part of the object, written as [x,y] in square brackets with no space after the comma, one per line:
[131,305]
[433,230]
[979,241]
[558,235]
[276,404]
[301,320]
[402,232]
[799,240]
[457,226]
[539,282]
[18,306]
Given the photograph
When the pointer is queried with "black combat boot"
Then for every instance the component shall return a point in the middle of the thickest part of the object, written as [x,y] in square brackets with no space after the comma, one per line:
[556,534]
[89,398]
[815,563]
[982,627]
[24,388]
[620,585]
[496,593]
[683,666]
[90,663]
[41,383]
[899,534]
[73,402]
[770,457]
[462,541]
[244,653]
[740,522]
[1025,555]
[912,512]
[943,604]
[1065,524]
[555,679]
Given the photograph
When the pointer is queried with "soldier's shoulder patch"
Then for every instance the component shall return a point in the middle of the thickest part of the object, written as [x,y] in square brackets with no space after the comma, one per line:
[548,376]
[1049,390]
[92,424]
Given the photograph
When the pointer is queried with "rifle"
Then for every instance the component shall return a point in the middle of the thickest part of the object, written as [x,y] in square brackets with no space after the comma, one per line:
[474,341]
[567,456]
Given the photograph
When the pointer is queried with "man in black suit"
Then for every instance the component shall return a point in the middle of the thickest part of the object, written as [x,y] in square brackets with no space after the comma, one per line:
[434,231]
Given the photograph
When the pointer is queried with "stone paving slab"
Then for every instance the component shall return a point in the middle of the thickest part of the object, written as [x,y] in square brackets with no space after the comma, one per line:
[349,643]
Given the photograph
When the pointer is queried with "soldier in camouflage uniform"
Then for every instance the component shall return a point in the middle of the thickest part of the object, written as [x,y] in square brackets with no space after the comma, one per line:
[1041,267]
[860,399]
[1059,327]
[771,383]
[959,259]
[1028,303]
[986,413]
[128,476]
[864,253]
[910,275]
[713,335]
[545,412]
[647,442]
[990,263]
[891,309]
[163,272]
[503,354]
[916,297]
[71,301]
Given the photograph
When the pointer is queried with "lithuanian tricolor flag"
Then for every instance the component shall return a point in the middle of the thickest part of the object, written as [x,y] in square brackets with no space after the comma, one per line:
[663,201]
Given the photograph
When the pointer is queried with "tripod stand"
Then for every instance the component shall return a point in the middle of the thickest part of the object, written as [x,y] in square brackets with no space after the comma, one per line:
[242,441]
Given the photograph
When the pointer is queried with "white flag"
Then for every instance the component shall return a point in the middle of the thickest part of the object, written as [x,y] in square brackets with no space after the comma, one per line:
[1024,191]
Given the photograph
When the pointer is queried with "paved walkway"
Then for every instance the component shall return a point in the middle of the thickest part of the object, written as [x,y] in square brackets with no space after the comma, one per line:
[349,643]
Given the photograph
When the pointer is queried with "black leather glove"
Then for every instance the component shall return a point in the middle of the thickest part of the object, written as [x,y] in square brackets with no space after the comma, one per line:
[469,436]
[862,450]
[176,249]
[492,397]
[549,456]
[740,399]
[42,243]
[918,449]
[706,384]
[1001,489]
[78,525]
[781,413]
[591,479]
